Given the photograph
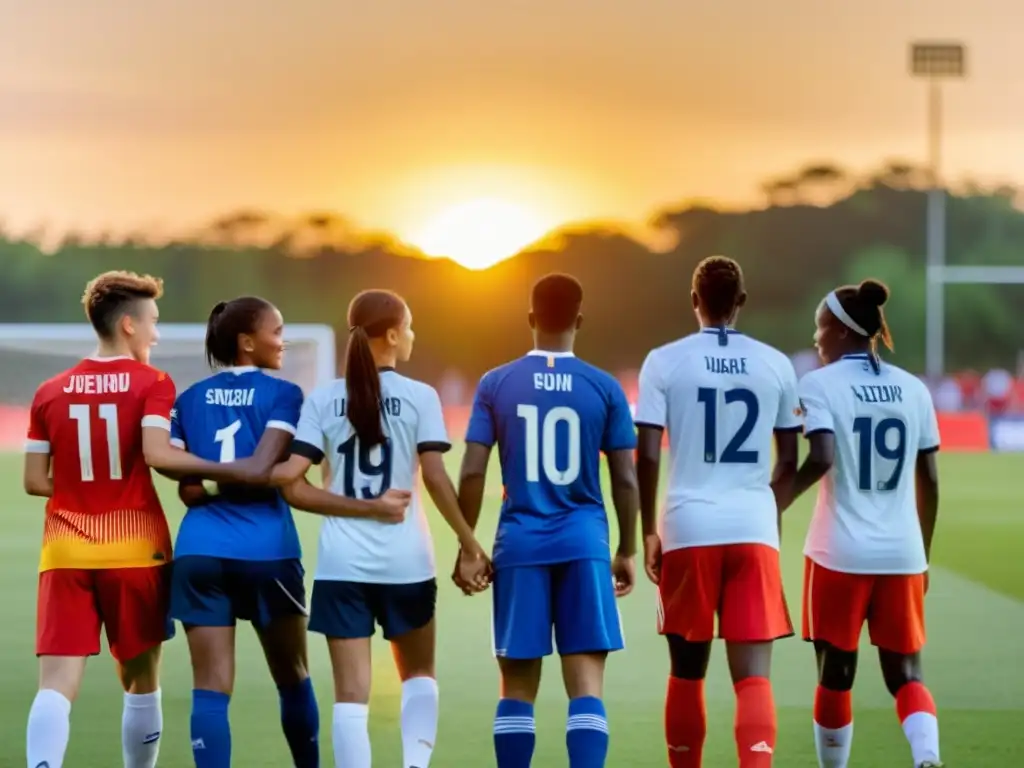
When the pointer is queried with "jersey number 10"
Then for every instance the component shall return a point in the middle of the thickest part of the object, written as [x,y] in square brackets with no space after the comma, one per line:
[108,413]
[541,448]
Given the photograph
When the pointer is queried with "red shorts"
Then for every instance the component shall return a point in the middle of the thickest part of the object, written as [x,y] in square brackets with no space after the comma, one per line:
[742,583]
[836,605]
[130,603]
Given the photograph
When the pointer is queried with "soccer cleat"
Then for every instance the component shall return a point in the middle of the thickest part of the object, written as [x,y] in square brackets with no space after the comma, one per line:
[930,765]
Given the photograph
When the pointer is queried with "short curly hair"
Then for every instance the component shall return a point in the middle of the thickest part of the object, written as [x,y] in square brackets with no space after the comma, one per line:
[112,295]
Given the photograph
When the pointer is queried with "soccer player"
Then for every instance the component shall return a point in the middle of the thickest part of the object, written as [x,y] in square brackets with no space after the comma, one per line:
[870,537]
[724,398]
[376,428]
[238,553]
[99,427]
[551,416]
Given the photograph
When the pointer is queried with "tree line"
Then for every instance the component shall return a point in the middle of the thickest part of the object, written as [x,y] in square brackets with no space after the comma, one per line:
[818,227]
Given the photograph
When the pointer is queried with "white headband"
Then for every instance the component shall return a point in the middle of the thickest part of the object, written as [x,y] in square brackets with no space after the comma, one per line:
[832,302]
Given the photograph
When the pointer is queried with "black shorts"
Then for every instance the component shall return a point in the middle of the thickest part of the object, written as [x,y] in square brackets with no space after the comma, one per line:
[217,591]
[350,609]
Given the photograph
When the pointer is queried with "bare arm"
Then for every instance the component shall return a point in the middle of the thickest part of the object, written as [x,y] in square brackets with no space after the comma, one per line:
[926,476]
[442,491]
[308,498]
[289,471]
[472,481]
[787,457]
[819,461]
[625,498]
[37,480]
[165,458]
[648,469]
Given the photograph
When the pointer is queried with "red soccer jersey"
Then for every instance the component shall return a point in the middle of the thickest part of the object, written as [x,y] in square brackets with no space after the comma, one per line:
[104,512]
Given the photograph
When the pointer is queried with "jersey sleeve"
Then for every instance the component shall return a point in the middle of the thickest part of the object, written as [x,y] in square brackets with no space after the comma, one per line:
[619,431]
[159,402]
[177,431]
[287,408]
[814,406]
[930,437]
[481,420]
[652,402]
[309,434]
[431,433]
[789,417]
[38,438]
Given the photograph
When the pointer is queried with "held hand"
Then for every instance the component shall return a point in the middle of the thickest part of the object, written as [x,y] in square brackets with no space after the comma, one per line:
[473,571]
[652,557]
[390,508]
[624,574]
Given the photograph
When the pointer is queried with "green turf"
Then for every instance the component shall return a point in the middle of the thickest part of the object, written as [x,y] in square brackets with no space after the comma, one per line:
[976,621]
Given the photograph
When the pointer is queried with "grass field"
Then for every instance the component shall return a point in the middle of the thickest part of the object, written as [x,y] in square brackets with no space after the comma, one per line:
[976,623]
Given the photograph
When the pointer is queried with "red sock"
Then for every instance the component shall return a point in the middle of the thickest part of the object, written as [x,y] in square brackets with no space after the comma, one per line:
[912,698]
[755,722]
[686,722]
[833,709]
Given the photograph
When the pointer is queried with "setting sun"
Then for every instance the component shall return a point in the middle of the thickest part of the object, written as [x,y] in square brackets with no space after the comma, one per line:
[480,233]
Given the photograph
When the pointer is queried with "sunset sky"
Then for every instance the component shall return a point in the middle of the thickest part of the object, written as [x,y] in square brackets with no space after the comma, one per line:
[117,114]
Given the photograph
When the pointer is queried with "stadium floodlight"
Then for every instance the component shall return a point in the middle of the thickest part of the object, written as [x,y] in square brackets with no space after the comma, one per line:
[936,61]
[31,353]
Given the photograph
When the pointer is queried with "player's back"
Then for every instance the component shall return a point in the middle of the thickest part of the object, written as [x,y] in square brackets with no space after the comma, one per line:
[104,512]
[552,416]
[721,395]
[865,519]
[222,418]
[362,549]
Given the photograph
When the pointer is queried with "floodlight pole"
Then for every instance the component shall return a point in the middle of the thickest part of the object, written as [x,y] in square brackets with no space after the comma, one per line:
[935,61]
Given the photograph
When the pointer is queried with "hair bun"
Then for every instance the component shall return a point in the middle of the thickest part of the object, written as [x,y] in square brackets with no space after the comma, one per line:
[873,292]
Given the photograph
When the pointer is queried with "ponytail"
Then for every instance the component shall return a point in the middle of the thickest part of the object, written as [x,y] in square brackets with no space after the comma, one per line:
[217,351]
[362,383]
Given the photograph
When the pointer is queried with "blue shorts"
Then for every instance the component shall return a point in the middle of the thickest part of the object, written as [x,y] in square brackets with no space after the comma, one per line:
[575,599]
[218,591]
[347,610]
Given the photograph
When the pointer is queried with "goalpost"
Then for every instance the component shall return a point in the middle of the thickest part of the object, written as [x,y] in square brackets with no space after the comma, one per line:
[31,353]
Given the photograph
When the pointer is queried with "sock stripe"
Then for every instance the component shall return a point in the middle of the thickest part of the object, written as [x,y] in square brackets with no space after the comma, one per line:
[515,725]
[587,722]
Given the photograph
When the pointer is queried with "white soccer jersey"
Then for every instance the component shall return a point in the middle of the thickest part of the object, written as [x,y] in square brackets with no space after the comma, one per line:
[356,549]
[865,519]
[721,397]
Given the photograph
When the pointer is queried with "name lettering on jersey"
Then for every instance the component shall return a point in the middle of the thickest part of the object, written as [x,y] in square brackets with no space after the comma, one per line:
[230,397]
[98,383]
[877,393]
[730,365]
[552,382]
[391,406]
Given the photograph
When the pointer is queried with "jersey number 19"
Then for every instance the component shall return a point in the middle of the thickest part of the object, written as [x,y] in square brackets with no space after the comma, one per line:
[541,448]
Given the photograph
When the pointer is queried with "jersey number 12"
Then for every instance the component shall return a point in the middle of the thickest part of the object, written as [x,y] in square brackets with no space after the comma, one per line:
[541,448]
[733,452]
[108,414]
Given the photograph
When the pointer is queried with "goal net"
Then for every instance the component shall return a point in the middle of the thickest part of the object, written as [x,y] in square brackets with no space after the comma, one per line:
[32,353]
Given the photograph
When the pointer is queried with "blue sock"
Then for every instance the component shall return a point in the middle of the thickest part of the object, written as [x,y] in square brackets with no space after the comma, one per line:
[211,733]
[300,720]
[514,734]
[586,733]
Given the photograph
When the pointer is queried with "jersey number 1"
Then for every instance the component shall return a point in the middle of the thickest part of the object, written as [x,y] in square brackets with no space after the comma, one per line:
[541,447]
[108,413]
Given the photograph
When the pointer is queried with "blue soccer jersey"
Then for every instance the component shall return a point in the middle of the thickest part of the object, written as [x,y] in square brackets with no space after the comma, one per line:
[551,416]
[222,418]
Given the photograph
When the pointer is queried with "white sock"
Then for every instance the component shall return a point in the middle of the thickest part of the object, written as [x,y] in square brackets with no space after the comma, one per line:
[833,745]
[419,721]
[49,728]
[141,723]
[922,731]
[351,735]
